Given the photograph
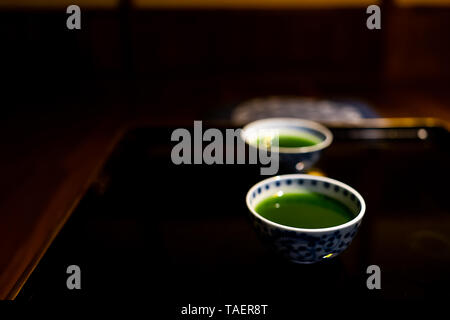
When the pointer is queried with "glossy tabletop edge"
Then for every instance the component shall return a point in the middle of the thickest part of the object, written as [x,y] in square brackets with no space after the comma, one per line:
[17,285]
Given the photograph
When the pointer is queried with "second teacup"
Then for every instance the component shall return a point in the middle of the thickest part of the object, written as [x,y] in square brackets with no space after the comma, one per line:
[299,141]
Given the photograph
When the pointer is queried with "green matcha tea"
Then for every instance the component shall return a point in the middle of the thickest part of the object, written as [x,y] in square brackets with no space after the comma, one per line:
[308,210]
[290,140]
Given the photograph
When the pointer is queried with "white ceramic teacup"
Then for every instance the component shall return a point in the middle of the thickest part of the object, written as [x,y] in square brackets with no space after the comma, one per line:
[302,245]
[290,159]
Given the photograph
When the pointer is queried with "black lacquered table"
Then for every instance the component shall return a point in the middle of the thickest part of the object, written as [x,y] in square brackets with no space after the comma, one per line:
[172,235]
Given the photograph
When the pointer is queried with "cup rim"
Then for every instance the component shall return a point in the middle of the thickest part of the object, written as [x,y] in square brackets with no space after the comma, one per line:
[296,121]
[356,219]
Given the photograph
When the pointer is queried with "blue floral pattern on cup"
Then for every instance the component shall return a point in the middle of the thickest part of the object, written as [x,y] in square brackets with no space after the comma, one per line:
[306,245]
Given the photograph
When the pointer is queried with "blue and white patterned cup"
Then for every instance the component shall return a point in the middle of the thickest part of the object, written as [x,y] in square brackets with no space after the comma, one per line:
[306,245]
[290,159]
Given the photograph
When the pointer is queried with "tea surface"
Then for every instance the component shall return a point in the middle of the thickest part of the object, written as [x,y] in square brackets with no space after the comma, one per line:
[309,210]
[290,140]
